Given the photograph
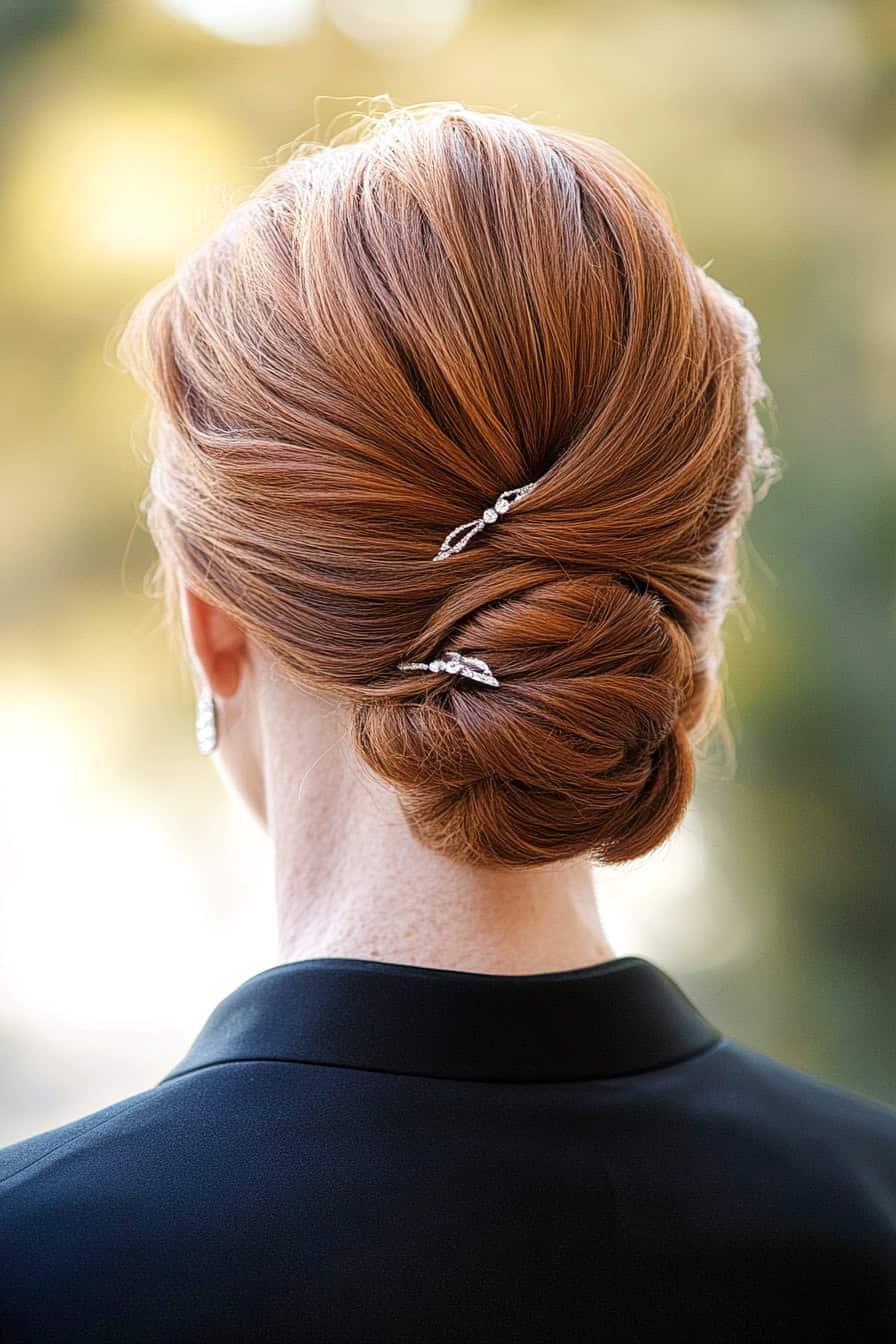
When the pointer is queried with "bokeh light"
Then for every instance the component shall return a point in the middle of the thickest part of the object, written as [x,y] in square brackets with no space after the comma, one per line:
[410,26]
[105,186]
[248,20]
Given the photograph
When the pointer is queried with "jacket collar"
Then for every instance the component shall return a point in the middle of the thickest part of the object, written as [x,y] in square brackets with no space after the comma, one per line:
[617,1017]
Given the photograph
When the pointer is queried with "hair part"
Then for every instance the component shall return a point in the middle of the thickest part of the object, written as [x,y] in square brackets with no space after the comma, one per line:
[390,332]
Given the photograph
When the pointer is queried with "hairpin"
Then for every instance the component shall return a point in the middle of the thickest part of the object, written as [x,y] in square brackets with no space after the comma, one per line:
[491,515]
[475,668]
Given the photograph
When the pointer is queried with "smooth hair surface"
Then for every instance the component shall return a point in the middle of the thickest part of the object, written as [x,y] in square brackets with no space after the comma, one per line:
[390,332]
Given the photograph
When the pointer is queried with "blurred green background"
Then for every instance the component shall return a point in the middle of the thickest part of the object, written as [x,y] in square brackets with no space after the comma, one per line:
[134,891]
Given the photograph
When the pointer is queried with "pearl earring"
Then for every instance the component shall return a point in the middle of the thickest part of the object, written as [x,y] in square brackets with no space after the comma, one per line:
[206,722]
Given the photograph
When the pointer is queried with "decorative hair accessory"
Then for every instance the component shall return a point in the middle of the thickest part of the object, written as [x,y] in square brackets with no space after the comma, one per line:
[475,668]
[491,515]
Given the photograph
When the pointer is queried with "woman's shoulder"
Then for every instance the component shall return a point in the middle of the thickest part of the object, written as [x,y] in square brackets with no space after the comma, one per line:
[29,1155]
[772,1116]
[734,1148]
[772,1081]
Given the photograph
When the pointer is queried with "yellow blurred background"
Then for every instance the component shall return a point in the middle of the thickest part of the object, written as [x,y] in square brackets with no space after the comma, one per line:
[135,893]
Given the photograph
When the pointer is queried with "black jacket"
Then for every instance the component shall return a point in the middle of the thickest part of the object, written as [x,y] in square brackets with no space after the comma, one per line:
[373,1152]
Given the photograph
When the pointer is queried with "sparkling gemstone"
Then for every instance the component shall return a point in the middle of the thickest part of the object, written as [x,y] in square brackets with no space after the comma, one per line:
[502,506]
[435,666]
[452,666]
[490,516]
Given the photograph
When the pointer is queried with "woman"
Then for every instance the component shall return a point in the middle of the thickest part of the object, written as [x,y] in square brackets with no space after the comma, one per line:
[451,1112]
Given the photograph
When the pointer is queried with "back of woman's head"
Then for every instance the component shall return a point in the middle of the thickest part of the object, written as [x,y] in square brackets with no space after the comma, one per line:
[392,331]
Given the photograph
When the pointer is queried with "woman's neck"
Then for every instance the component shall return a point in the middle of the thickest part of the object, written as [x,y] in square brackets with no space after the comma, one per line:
[352,881]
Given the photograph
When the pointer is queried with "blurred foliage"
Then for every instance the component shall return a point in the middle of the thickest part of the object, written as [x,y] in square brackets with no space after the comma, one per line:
[22,23]
[770,127]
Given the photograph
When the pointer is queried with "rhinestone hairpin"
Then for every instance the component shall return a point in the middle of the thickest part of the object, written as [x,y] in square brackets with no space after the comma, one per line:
[491,515]
[475,668]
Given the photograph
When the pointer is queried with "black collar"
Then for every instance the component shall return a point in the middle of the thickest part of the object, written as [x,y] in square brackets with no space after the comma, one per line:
[617,1017]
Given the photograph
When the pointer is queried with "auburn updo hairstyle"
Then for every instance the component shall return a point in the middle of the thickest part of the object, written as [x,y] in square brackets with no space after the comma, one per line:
[396,327]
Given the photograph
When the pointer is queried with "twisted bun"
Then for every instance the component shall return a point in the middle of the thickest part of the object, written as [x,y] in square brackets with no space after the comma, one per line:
[389,333]
[583,750]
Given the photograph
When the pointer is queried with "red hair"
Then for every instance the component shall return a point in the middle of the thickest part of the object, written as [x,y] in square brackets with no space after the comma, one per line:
[390,332]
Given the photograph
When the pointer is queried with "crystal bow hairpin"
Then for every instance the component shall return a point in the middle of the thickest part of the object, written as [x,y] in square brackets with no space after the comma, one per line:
[475,668]
[467,531]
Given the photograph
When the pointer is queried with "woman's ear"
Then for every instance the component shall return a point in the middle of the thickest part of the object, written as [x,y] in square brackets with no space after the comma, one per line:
[217,643]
